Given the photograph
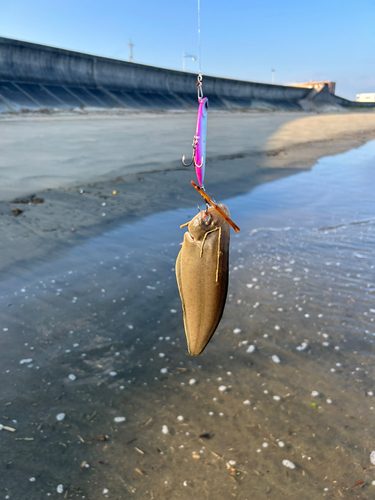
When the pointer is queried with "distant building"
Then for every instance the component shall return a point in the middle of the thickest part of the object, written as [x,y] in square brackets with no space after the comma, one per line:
[367,97]
[316,85]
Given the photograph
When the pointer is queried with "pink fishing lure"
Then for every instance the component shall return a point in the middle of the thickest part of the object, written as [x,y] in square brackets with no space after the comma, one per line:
[199,142]
[199,153]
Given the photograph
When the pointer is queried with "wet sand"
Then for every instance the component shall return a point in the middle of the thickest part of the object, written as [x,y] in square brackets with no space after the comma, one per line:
[94,332]
[75,163]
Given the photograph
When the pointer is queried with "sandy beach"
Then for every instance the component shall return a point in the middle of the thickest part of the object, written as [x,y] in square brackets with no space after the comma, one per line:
[75,163]
[99,397]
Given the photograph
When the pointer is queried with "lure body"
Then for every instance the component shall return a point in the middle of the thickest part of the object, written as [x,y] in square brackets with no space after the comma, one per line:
[199,145]
[202,276]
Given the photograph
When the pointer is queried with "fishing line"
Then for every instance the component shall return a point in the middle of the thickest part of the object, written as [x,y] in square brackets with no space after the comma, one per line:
[199,36]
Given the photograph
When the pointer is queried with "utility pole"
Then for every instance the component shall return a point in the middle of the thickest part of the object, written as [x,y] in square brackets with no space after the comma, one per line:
[131,45]
[273,76]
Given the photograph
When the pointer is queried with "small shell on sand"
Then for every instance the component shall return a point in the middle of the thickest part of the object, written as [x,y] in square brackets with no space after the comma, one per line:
[289,464]
[119,419]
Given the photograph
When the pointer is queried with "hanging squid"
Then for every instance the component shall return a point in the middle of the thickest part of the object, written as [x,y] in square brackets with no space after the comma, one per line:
[202,276]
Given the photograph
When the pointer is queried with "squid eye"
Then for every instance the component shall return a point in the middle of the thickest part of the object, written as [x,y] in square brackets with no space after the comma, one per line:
[207,219]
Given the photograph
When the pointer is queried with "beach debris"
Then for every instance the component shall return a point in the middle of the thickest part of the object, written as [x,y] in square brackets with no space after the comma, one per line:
[302,347]
[30,200]
[192,381]
[314,394]
[16,211]
[205,435]
[93,416]
[60,417]
[247,402]
[165,429]
[164,370]
[60,488]
[25,361]
[141,452]
[105,491]
[358,483]
[118,420]
[250,349]
[372,457]
[276,398]
[223,388]
[72,377]
[113,374]
[237,330]
[114,192]
[281,444]
[275,358]
[6,428]
[147,422]
[180,418]
[288,464]
[32,479]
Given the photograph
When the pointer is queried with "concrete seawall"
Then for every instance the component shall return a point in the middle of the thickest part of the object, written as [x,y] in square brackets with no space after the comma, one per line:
[35,77]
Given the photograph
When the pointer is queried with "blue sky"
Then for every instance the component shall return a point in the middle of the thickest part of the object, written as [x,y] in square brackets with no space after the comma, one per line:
[333,40]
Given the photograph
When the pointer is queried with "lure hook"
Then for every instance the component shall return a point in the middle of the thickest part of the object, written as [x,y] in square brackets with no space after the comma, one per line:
[194,146]
[190,162]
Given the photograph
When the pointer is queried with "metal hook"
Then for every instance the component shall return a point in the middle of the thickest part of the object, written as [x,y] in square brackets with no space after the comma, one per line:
[194,146]
[187,164]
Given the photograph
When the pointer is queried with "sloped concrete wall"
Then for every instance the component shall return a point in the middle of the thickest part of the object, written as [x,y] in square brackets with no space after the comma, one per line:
[36,76]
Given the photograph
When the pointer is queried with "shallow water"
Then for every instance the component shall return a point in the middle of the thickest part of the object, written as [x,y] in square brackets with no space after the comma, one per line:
[302,288]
